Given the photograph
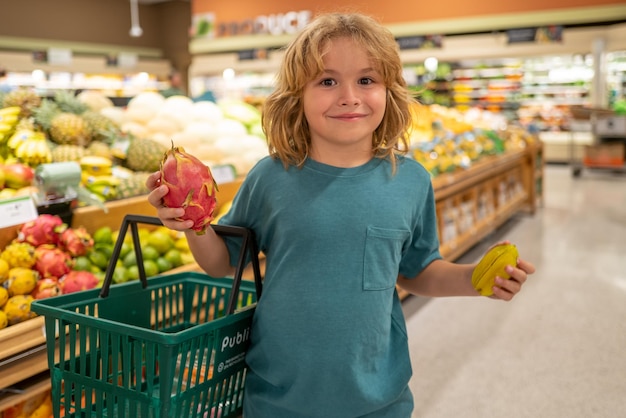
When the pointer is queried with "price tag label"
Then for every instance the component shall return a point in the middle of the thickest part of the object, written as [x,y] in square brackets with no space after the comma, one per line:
[17,210]
[224,173]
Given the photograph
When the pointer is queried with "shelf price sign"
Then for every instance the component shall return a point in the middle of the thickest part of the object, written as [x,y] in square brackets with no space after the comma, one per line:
[17,210]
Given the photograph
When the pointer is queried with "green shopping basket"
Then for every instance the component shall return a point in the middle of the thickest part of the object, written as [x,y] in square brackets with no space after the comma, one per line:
[173,346]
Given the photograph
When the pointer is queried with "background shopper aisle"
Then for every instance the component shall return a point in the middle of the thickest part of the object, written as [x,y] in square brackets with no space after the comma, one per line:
[558,349]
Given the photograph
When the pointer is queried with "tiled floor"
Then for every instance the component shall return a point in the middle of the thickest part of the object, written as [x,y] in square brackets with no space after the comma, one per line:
[559,349]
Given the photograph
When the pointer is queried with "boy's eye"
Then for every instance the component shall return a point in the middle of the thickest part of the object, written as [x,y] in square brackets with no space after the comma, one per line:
[327,82]
[366,80]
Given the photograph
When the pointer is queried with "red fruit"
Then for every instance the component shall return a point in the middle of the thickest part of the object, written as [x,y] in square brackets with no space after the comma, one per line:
[76,241]
[45,229]
[47,288]
[191,186]
[51,261]
[75,281]
[18,175]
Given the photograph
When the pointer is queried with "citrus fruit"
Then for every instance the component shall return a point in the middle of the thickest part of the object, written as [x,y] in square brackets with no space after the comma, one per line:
[149,252]
[103,235]
[120,275]
[133,272]
[161,240]
[150,267]
[99,259]
[174,257]
[106,249]
[130,259]
[82,263]
[163,264]
[182,244]
[125,249]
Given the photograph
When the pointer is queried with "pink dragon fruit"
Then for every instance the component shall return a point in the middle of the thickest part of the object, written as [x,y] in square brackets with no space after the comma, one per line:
[47,288]
[191,186]
[75,281]
[44,229]
[51,261]
[76,241]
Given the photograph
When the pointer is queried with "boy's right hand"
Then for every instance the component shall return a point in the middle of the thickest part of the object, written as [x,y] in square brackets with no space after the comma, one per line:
[168,216]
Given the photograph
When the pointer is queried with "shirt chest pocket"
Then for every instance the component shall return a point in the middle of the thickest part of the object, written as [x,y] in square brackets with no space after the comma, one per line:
[382,255]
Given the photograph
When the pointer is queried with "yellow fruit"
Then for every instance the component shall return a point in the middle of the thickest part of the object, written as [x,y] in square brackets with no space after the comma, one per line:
[21,281]
[4,296]
[491,265]
[4,321]
[17,309]
[4,271]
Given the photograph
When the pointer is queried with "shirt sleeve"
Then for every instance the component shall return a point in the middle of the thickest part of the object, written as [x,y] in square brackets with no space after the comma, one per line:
[423,247]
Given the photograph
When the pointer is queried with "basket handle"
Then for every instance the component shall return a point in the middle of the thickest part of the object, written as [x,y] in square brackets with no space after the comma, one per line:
[249,246]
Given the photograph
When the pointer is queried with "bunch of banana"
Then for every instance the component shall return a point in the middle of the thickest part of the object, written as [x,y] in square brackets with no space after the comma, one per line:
[97,176]
[493,264]
[104,186]
[9,117]
[34,150]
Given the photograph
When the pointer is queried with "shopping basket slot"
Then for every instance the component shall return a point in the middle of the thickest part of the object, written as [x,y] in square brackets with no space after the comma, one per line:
[170,346]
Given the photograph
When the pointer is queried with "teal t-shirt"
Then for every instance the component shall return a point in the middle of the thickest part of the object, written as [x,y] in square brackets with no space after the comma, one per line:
[329,336]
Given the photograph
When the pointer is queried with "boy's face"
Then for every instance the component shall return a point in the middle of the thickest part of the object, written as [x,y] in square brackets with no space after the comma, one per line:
[344,105]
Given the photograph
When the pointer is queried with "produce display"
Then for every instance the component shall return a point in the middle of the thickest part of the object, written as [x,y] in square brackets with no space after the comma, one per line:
[117,147]
[444,140]
[48,258]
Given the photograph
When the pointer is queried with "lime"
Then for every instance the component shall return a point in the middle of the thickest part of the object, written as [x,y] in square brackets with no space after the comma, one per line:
[120,275]
[150,253]
[103,235]
[182,244]
[130,260]
[82,263]
[161,240]
[125,249]
[174,257]
[132,272]
[164,264]
[151,268]
[99,258]
[106,249]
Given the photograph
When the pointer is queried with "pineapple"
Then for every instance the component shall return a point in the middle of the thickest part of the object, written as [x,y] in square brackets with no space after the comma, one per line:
[25,98]
[67,152]
[144,155]
[68,102]
[102,128]
[100,149]
[133,185]
[69,128]
[44,114]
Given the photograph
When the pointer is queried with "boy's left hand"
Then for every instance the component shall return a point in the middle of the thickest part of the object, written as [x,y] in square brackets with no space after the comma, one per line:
[507,289]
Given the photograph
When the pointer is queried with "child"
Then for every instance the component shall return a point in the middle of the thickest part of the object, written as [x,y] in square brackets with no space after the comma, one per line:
[342,217]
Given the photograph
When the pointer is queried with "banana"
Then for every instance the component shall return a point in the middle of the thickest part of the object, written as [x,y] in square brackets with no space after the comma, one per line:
[107,180]
[491,265]
[11,110]
[20,136]
[9,119]
[34,152]
[96,166]
[104,190]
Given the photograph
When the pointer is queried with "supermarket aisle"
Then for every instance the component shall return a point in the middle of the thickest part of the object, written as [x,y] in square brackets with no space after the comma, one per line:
[559,349]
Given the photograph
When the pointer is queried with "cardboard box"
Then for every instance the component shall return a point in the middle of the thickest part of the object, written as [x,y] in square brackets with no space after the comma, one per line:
[604,155]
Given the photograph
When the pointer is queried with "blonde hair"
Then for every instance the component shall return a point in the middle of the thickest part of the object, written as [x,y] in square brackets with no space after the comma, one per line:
[283,119]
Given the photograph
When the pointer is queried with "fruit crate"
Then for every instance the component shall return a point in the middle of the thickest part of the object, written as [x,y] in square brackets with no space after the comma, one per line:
[171,346]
